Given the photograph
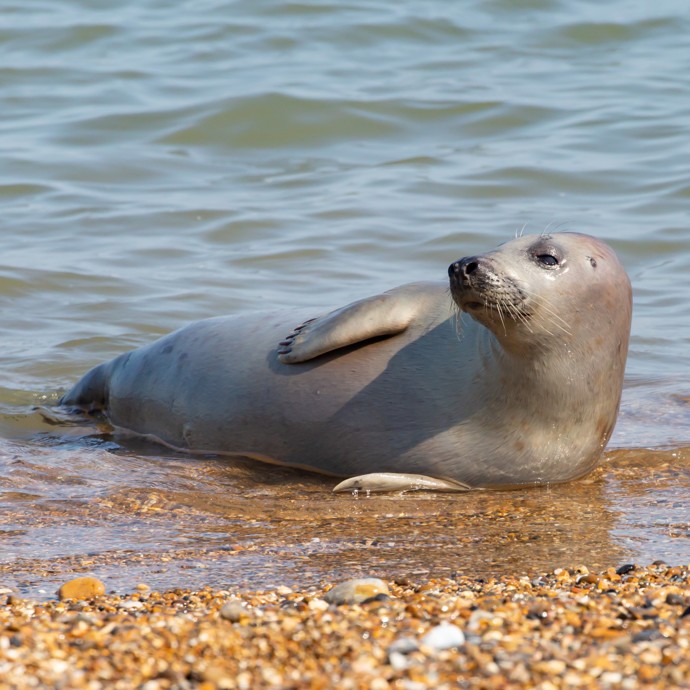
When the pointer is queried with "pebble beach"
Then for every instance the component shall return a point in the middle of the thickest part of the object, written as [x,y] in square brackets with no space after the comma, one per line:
[569,628]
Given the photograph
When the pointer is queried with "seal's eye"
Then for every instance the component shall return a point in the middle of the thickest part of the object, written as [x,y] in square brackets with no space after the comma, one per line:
[547,259]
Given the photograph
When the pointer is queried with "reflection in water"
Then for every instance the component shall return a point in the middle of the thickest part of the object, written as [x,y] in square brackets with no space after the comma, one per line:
[81,502]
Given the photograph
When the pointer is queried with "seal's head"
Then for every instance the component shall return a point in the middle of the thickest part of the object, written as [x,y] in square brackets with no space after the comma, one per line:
[559,309]
[542,291]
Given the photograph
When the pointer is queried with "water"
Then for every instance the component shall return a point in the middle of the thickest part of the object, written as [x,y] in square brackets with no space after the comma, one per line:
[163,163]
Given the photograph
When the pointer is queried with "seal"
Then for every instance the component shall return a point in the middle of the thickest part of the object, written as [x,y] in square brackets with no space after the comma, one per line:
[511,378]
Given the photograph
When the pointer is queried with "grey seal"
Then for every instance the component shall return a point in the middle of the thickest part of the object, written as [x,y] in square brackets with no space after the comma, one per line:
[512,377]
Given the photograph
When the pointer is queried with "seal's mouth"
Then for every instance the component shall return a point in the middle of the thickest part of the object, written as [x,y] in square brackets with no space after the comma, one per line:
[471,295]
[474,305]
[500,303]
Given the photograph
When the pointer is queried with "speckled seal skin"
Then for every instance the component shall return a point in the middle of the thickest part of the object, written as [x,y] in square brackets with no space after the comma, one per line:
[402,390]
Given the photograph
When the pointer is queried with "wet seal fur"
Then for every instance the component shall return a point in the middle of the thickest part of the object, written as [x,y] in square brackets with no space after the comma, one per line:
[399,391]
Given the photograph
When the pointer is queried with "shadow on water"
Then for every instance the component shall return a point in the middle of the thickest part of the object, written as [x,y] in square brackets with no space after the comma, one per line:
[85,500]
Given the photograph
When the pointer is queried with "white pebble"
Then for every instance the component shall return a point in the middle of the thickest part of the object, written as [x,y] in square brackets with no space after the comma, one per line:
[611,677]
[131,604]
[356,591]
[397,661]
[403,645]
[444,636]
[318,605]
[233,611]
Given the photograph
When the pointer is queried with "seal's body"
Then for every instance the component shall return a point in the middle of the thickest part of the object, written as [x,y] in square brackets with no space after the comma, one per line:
[526,392]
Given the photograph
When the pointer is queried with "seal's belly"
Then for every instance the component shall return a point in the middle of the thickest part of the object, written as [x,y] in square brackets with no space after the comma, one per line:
[218,386]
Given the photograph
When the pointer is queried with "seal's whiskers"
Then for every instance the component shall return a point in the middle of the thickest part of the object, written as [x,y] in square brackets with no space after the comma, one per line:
[500,316]
[545,304]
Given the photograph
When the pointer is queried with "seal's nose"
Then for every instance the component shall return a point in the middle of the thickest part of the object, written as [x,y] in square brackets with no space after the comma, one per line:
[464,267]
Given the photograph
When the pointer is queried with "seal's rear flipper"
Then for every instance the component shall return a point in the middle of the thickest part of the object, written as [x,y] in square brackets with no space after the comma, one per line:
[64,416]
[373,317]
[91,392]
[392,481]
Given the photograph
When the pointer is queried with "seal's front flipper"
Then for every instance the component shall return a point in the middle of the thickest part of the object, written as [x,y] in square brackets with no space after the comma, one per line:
[392,481]
[373,317]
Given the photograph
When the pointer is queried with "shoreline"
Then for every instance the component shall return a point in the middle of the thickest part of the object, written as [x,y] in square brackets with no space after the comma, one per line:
[566,628]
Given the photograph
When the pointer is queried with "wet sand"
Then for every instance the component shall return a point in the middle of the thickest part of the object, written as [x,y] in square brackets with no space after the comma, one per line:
[171,521]
[528,576]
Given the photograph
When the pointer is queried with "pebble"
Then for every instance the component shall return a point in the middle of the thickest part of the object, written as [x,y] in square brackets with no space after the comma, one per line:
[233,611]
[403,645]
[81,588]
[625,569]
[398,661]
[132,605]
[591,636]
[413,685]
[356,591]
[444,636]
[317,605]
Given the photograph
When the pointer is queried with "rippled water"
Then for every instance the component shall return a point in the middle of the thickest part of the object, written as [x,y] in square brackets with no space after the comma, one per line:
[162,164]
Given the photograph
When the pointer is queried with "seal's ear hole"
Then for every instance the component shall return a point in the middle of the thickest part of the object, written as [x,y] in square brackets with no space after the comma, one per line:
[593,261]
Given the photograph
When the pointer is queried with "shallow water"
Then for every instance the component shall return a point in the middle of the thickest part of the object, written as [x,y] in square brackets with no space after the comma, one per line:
[162,166]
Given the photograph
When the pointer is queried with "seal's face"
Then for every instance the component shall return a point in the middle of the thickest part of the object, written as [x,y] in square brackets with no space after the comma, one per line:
[541,287]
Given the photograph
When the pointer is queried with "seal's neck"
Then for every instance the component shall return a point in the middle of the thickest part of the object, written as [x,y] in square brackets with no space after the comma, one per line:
[575,377]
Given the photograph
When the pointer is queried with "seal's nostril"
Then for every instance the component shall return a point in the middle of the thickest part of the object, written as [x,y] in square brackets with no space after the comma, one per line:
[463,267]
[471,267]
